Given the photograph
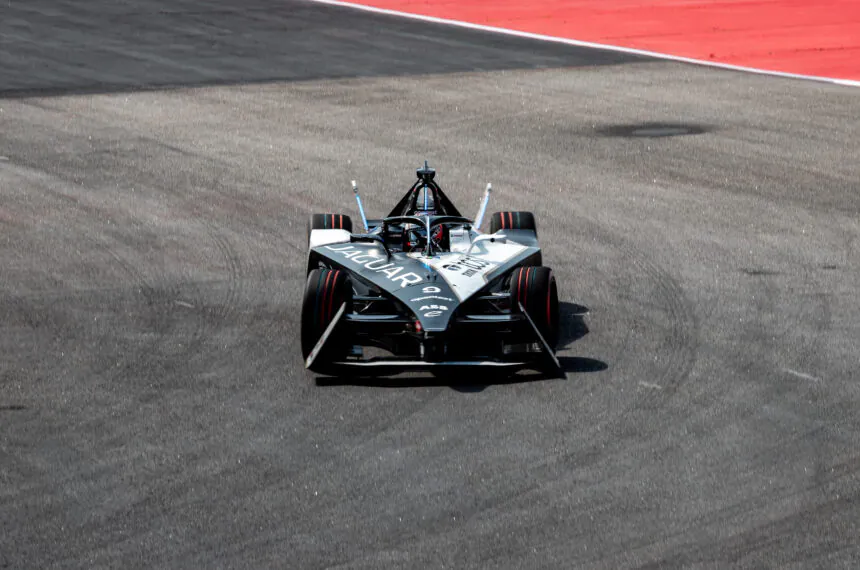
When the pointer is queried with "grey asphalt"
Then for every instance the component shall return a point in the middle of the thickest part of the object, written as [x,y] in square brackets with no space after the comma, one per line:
[157,163]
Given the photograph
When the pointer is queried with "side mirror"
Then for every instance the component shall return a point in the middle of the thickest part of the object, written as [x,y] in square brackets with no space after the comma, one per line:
[492,238]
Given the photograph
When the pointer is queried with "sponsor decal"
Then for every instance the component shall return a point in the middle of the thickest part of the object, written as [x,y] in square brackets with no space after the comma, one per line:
[437,297]
[468,266]
[433,310]
[431,289]
[377,264]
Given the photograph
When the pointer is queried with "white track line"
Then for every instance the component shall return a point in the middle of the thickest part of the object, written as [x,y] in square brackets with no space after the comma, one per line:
[802,375]
[578,43]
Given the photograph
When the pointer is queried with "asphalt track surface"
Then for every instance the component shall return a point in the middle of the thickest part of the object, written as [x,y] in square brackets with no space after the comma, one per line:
[159,160]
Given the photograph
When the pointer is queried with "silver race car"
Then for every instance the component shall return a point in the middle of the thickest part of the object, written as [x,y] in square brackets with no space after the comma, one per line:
[425,289]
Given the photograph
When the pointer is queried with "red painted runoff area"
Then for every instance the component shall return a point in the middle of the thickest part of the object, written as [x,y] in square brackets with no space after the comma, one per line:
[808,37]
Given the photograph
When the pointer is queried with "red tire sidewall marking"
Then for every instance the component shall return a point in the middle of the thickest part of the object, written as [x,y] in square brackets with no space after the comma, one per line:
[320,305]
[323,306]
[526,296]
[511,220]
[331,296]
[519,286]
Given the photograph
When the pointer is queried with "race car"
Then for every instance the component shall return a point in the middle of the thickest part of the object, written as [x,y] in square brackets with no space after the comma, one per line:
[423,289]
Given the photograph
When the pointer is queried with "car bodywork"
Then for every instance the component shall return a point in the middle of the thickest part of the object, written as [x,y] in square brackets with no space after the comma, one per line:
[429,307]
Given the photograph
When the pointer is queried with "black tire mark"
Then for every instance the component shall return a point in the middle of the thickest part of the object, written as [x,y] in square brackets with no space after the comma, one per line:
[679,345]
[677,350]
[729,515]
[157,299]
[784,530]
[258,310]
[234,278]
[254,313]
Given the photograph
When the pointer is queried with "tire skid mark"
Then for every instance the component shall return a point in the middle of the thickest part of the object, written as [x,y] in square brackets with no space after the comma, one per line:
[772,337]
[155,316]
[137,293]
[758,332]
[232,315]
[678,349]
[725,517]
[754,332]
[187,336]
[169,343]
[175,334]
[819,315]
[276,318]
[781,532]
[679,346]
[248,310]
[728,515]
[263,312]
[233,265]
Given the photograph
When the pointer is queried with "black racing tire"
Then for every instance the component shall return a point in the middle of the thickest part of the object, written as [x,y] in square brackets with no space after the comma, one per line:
[326,291]
[535,288]
[329,222]
[512,221]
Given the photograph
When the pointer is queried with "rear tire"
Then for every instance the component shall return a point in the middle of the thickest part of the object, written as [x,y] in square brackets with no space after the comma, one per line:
[326,291]
[536,290]
[512,221]
[329,222]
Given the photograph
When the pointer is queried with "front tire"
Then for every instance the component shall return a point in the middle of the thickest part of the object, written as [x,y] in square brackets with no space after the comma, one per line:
[535,289]
[325,292]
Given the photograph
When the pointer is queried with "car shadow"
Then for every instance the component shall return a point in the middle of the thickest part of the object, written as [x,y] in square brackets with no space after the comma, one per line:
[573,328]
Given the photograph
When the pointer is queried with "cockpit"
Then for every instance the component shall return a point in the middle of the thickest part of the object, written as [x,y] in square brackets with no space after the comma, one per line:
[425,220]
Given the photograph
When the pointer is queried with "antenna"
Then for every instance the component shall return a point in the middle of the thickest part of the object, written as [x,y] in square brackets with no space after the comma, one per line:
[482,210]
[360,207]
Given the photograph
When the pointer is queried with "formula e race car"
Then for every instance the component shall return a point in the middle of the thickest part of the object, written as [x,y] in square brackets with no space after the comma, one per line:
[424,289]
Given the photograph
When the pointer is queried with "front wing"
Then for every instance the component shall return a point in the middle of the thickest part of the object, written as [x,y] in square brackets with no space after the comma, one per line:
[544,359]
